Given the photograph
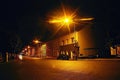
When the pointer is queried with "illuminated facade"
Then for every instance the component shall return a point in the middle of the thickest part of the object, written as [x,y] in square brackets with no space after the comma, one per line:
[79,42]
[83,42]
[36,50]
[115,51]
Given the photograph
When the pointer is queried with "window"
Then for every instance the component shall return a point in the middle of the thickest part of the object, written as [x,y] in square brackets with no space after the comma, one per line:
[72,39]
[63,43]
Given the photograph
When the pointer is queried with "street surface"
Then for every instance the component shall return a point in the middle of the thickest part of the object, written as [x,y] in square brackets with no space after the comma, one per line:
[42,69]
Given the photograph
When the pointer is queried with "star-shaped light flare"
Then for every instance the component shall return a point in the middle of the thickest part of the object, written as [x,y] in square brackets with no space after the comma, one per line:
[65,18]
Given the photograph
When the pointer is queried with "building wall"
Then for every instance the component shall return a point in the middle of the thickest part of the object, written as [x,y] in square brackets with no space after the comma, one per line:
[86,41]
[84,38]
[43,51]
[54,45]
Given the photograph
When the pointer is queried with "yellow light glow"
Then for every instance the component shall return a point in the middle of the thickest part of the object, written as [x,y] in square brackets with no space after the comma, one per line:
[63,19]
[36,41]
[20,57]
[66,18]
[28,47]
[84,19]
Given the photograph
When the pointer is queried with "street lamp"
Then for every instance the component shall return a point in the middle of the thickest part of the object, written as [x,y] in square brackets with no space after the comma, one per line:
[67,19]
[36,41]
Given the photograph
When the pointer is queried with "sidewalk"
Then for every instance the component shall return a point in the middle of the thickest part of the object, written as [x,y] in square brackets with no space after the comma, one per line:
[117,58]
[54,58]
[31,57]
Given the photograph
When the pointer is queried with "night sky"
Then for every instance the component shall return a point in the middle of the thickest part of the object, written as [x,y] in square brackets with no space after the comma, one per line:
[27,18]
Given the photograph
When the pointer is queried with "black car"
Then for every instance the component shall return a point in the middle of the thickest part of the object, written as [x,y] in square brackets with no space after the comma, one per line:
[63,57]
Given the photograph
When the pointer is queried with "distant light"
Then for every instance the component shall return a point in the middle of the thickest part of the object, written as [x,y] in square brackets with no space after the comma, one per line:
[25,49]
[36,41]
[28,47]
[20,57]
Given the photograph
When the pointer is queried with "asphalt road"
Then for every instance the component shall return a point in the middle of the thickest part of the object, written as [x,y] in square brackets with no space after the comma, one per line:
[42,69]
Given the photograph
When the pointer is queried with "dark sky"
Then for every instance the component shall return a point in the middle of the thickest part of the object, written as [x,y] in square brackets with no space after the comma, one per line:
[27,18]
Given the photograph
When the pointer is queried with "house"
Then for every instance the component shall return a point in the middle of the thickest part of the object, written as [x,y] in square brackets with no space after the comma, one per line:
[80,42]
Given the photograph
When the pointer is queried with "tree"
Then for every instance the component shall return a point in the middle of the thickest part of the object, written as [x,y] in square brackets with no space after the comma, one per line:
[14,43]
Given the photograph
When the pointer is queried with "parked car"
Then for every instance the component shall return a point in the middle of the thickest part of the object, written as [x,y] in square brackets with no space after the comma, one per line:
[63,57]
